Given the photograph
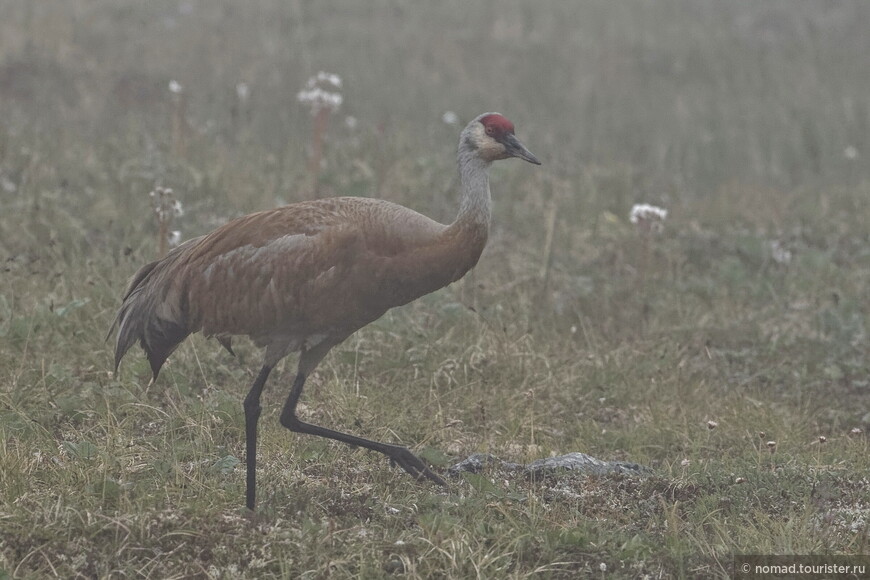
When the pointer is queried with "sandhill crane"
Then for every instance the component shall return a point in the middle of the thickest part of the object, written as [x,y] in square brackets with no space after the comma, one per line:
[306,276]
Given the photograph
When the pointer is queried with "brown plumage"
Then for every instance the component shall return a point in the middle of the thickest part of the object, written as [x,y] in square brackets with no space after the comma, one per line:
[306,276]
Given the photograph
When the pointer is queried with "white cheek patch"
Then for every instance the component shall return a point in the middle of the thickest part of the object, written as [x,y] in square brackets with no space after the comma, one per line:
[493,150]
[489,148]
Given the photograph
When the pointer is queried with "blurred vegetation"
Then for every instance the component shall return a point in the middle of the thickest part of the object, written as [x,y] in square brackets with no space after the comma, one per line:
[748,121]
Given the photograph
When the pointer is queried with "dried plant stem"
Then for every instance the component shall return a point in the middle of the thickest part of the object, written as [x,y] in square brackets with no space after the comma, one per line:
[548,244]
[530,397]
[645,257]
[162,237]
[547,254]
[321,121]
[179,125]
[166,208]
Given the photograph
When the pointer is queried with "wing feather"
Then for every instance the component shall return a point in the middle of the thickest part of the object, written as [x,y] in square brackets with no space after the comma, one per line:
[325,267]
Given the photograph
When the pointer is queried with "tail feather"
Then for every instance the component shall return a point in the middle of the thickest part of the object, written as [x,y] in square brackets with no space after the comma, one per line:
[146,317]
[162,340]
[227,343]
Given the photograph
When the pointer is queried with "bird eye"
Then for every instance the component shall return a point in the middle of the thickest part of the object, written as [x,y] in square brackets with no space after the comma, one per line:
[489,130]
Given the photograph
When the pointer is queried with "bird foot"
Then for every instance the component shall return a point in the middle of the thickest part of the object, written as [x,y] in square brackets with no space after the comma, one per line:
[412,464]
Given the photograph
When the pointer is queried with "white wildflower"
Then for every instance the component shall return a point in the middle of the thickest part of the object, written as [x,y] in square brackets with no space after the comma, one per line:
[164,203]
[602,566]
[174,238]
[321,92]
[243,91]
[685,463]
[7,184]
[325,77]
[712,425]
[779,254]
[450,118]
[175,87]
[318,99]
[851,153]
[350,122]
[643,212]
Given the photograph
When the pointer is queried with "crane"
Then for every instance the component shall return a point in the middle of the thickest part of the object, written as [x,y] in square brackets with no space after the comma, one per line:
[304,277]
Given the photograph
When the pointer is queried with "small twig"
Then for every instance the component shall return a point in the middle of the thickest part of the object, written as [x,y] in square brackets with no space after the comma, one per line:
[178,119]
[322,96]
[547,257]
[321,122]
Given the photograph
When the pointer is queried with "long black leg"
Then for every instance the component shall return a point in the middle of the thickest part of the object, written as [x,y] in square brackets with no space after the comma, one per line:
[404,458]
[252,415]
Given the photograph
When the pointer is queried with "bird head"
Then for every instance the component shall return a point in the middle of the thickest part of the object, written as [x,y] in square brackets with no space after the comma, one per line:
[492,137]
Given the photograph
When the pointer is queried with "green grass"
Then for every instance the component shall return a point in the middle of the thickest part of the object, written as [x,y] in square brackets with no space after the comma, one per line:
[606,340]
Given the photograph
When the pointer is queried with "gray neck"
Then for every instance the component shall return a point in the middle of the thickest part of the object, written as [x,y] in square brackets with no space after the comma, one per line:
[475,204]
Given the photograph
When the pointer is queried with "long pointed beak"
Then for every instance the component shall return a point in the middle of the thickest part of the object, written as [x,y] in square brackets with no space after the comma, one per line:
[516,149]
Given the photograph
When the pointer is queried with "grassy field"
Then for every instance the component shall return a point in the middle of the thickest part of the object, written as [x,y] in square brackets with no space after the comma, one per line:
[728,352]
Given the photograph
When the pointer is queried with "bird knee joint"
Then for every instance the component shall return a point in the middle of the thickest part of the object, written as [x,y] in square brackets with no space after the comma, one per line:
[290,421]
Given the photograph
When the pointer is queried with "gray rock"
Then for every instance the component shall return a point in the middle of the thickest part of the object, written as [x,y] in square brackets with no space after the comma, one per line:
[569,462]
[475,462]
[584,463]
